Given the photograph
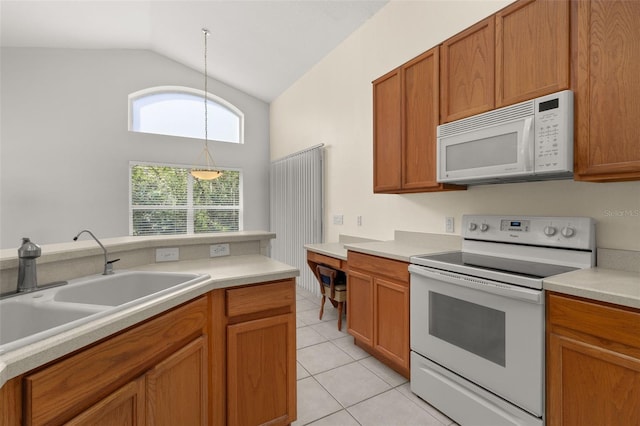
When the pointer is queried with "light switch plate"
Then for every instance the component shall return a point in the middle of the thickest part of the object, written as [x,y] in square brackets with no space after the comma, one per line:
[167,254]
[217,250]
[338,219]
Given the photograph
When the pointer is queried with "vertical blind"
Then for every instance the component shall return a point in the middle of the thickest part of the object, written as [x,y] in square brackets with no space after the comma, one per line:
[296,209]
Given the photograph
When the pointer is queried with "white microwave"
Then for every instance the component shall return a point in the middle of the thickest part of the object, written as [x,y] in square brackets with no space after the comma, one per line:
[532,140]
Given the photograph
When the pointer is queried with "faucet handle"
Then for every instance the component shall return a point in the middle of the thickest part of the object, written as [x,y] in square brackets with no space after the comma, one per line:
[108,267]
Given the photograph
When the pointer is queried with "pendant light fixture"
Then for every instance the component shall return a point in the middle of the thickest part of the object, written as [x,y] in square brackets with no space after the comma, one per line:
[208,170]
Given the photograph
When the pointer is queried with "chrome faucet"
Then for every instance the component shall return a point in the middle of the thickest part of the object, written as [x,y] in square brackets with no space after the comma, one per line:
[108,264]
[27,255]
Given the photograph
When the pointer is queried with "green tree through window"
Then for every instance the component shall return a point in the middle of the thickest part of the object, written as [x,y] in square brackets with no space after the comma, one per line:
[167,200]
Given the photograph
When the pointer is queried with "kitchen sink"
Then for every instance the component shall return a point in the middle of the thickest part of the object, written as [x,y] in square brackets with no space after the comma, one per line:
[123,287]
[20,319]
[30,317]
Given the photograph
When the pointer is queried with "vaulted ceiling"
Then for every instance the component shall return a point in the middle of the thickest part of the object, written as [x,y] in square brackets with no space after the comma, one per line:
[260,47]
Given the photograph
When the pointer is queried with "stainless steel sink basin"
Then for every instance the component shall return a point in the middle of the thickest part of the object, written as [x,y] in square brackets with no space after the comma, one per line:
[123,287]
[30,317]
[20,319]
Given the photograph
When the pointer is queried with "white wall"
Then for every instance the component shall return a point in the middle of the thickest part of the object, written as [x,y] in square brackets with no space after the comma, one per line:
[332,104]
[65,148]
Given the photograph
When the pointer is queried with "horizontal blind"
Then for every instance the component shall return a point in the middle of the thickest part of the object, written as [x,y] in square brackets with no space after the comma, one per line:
[167,200]
[296,210]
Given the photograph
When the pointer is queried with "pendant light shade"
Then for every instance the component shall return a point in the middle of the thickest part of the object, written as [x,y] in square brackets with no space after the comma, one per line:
[207,169]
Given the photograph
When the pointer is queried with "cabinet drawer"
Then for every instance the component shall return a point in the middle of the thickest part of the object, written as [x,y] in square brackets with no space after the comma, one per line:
[63,390]
[608,322]
[326,260]
[259,298]
[380,266]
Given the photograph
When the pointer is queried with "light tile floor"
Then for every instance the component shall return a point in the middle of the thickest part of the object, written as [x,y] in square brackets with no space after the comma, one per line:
[339,384]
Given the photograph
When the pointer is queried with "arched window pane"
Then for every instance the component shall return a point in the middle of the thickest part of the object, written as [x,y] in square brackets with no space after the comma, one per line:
[182,114]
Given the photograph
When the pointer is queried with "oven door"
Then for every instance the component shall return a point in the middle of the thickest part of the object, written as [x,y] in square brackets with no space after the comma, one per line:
[487,332]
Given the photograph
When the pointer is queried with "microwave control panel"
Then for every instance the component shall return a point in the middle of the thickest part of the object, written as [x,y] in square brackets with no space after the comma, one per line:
[553,128]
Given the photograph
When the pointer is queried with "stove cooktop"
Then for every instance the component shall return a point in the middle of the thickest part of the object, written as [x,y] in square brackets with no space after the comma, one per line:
[474,261]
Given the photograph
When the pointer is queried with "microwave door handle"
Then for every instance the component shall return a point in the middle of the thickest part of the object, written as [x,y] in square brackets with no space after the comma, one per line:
[527,148]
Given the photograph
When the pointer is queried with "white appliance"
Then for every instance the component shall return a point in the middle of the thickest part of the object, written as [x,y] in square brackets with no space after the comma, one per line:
[477,316]
[532,140]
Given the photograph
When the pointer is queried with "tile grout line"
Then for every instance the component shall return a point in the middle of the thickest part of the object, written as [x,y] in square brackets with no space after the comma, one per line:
[346,408]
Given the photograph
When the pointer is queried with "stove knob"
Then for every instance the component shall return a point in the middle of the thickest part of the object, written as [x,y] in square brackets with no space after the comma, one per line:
[472,226]
[484,227]
[568,232]
[550,231]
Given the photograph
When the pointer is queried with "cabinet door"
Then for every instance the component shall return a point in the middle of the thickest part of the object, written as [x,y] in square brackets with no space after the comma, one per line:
[391,301]
[124,407]
[591,385]
[360,307]
[607,89]
[532,50]
[177,387]
[420,83]
[387,132]
[467,64]
[261,371]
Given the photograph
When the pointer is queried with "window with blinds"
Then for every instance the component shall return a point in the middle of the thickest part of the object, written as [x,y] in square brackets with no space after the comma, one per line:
[167,200]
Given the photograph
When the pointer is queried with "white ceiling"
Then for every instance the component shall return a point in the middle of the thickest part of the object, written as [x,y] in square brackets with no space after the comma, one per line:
[260,47]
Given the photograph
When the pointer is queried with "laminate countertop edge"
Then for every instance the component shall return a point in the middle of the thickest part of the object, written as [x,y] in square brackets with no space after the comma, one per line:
[599,284]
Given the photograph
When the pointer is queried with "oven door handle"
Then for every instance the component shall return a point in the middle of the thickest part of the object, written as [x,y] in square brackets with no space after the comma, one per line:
[480,284]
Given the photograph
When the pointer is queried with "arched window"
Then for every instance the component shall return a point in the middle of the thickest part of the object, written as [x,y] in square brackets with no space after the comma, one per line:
[179,111]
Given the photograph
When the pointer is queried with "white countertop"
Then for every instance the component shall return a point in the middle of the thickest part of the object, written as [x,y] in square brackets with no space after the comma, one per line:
[336,250]
[405,246]
[224,271]
[601,284]
[605,285]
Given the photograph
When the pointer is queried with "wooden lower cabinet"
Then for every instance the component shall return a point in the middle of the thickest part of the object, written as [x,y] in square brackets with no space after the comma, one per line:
[593,363]
[225,358]
[259,377]
[391,308]
[176,388]
[124,407]
[360,307]
[260,327]
[87,380]
[378,308]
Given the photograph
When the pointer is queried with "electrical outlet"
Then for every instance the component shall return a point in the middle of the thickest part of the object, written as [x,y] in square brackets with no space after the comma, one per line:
[167,254]
[338,219]
[448,225]
[359,220]
[217,250]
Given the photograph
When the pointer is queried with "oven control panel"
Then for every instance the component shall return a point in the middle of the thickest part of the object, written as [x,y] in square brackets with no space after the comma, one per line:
[514,225]
[552,231]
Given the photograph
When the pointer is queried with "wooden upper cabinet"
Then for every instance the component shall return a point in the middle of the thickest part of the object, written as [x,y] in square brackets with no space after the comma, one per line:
[387,133]
[532,50]
[405,119]
[606,80]
[420,80]
[467,72]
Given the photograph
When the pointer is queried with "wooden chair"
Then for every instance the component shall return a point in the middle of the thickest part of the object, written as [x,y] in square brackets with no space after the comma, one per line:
[333,288]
